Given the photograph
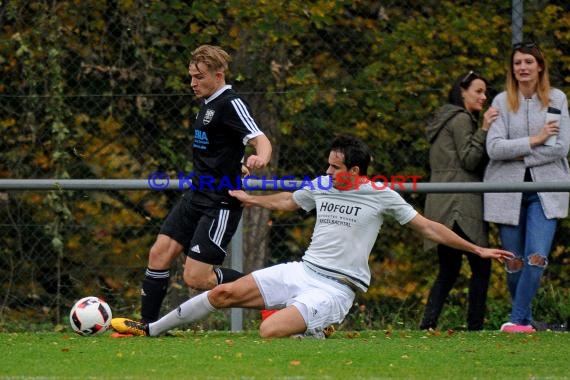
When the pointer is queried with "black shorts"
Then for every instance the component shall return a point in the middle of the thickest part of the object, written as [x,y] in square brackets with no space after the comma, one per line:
[204,231]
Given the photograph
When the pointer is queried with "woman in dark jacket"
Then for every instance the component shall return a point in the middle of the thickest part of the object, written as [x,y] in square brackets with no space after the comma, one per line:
[457,154]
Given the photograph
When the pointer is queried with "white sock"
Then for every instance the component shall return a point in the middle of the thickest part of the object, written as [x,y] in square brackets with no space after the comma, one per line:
[192,310]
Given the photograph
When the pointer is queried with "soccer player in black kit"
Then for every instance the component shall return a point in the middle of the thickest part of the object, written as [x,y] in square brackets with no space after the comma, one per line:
[204,220]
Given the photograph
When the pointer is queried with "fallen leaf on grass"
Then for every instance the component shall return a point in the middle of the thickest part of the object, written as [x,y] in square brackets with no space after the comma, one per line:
[432,332]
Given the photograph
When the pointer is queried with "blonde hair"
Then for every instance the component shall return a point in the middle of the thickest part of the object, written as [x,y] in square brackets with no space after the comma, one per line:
[213,57]
[512,85]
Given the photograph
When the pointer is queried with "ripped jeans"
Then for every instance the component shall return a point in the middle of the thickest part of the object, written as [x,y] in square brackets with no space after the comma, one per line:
[531,242]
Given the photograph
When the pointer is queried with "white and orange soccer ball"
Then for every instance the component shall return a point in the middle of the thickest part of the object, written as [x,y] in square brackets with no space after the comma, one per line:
[90,316]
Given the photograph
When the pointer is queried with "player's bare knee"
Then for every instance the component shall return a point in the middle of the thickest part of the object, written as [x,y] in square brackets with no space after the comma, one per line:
[162,253]
[196,282]
[199,278]
[538,260]
[221,296]
[514,265]
[267,330]
[264,332]
[156,256]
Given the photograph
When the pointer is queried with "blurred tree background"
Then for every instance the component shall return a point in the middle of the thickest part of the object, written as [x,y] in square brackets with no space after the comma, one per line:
[99,89]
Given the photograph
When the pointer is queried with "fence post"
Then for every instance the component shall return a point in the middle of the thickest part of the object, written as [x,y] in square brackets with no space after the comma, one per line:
[237,264]
[517,21]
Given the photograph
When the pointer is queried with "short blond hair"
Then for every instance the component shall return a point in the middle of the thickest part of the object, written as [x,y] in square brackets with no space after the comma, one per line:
[213,57]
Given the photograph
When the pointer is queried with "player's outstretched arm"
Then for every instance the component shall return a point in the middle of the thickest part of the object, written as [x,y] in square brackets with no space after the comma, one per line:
[262,154]
[280,201]
[440,234]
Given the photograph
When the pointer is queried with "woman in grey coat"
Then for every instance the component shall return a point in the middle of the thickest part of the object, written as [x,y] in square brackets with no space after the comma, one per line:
[457,154]
[521,149]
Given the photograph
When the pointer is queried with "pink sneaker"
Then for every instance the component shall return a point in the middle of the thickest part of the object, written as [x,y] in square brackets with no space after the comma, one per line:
[510,327]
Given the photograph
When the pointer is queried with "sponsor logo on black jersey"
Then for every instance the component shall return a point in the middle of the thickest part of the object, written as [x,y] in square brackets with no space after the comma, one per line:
[200,139]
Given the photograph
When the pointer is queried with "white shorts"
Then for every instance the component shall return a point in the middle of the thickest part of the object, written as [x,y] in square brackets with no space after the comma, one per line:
[283,285]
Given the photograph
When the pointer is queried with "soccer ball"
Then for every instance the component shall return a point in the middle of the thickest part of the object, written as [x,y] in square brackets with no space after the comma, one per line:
[90,316]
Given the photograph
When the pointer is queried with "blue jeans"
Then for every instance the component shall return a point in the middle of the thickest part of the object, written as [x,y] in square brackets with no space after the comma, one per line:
[531,242]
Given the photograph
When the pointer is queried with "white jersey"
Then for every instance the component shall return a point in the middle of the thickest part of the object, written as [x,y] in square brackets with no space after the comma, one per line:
[347,225]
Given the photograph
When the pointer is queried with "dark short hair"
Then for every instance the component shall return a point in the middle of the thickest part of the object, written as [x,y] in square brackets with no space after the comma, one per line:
[463,82]
[355,151]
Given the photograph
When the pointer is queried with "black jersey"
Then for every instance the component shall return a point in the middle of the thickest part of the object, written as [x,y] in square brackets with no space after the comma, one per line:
[222,129]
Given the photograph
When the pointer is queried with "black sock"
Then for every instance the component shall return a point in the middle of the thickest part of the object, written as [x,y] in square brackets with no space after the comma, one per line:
[154,287]
[227,275]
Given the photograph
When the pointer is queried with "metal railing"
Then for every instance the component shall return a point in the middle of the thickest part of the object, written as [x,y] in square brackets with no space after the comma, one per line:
[403,187]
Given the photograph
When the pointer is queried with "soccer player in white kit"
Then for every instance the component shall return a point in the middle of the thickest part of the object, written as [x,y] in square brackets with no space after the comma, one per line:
[319,290]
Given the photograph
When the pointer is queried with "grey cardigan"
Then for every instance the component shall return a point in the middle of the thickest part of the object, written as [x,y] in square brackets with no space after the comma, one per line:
[508,140]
